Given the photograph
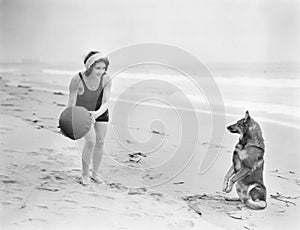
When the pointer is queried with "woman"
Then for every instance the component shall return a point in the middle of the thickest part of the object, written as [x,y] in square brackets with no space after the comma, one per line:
[91,89]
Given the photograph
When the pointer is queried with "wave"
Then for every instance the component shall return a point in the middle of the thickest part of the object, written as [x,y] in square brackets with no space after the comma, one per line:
[270,108]
[207,111]
[276,83]
[176,77]
[244,81]
[60,72]
[7,70]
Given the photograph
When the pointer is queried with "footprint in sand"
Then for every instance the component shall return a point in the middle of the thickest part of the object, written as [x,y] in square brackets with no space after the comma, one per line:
[70,201]
[48,177]
[94,195]
[52,158]
[16,198]
[134,214]
[10,151]
[92,208]
[70,148]
[33,220]
[148,176]
[137,191]
[9,181]
[47,150]
[60,155]
[46,162]
[108,197]
[32,153]
[3,177]
[14,165]
[100,195]
[60,214]
[75,192]
[5,129]
[118,186]
[7,104]
[62,163]
[57,177]
[42,207]
[157,194]
[6,191]
[5,203]
[236,215]
[31,167]
[135,202]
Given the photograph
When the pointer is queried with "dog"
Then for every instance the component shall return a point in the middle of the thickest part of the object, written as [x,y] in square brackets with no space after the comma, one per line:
[248,164]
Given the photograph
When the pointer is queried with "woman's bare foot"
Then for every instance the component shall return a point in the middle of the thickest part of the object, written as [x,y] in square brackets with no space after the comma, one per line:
[85,181]
[97,179]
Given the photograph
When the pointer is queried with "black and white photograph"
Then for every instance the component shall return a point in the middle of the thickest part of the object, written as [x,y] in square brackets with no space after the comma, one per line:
[149,114]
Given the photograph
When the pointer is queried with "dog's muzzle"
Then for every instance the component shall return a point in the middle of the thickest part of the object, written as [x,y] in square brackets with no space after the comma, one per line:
[233,129]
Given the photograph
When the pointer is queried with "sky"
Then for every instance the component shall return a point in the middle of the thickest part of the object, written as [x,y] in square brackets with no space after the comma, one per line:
[211,30]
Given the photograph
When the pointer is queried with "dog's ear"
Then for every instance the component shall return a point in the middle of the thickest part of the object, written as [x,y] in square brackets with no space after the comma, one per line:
[247,116]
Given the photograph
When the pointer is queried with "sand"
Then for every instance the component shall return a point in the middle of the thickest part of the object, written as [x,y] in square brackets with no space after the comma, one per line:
[145,189]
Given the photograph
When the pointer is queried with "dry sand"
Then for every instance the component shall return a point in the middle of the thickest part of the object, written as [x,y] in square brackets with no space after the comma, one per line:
[40,174]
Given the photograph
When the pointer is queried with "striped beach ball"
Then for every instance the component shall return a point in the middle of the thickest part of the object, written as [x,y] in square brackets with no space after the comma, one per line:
[75,122]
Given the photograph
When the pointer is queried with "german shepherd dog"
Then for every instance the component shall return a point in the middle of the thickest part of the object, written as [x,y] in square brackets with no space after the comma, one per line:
[248,163]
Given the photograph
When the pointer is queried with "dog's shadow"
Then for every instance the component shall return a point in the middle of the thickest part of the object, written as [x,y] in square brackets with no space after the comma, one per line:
[216,203]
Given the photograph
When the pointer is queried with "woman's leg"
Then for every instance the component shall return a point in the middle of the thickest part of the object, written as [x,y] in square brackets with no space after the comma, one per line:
[100,130]
[87,153]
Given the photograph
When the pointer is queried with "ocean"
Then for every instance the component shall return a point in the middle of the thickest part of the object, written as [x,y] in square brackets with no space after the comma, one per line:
[270,91]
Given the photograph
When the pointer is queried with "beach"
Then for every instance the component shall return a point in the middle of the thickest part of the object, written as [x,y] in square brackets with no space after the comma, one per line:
[152,160]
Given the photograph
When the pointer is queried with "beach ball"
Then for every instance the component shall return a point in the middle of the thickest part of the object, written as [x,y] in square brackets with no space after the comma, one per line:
[75,122]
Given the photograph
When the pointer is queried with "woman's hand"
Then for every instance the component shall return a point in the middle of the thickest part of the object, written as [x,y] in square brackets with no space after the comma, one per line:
[93,115]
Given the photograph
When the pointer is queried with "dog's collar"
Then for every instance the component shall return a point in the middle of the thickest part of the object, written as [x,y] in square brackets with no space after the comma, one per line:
[261,146]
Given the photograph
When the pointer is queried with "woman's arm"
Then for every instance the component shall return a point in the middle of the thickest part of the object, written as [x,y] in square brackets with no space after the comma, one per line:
[73,88]
[105,98]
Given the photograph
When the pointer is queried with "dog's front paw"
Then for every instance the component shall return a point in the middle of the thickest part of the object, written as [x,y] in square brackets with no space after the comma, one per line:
[225,184]
[228,189]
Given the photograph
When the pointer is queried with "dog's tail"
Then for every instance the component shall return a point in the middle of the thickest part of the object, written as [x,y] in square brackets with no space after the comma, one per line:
[255,204]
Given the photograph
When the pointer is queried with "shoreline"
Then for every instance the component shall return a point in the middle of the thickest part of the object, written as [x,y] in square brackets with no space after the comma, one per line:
[233,112]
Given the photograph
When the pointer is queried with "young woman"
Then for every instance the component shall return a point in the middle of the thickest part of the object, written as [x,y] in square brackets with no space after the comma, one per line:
[91,89]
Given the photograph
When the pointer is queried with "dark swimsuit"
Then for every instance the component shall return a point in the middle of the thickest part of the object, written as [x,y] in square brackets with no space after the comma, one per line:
[92,100]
